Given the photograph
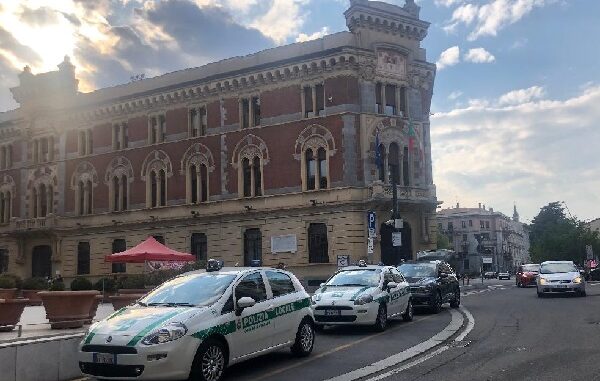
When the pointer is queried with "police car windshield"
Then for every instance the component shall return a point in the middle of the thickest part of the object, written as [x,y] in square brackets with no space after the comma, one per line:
[362,278]
[190,290]
[417,270]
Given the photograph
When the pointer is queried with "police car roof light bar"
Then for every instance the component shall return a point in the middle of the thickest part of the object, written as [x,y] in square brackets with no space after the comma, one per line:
[214,265]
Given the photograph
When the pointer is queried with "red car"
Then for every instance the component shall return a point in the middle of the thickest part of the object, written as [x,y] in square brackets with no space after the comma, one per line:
[526,275]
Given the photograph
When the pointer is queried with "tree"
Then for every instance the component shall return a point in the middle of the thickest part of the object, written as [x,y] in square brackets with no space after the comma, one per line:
[554,236]
[443,242]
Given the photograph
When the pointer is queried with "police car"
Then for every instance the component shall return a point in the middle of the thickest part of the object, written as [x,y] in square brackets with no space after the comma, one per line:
[197,324]
[364,295]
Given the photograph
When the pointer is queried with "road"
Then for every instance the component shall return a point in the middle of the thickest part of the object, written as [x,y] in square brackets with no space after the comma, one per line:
[515,336]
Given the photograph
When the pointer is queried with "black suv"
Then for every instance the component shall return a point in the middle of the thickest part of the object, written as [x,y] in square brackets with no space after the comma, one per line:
[432,283]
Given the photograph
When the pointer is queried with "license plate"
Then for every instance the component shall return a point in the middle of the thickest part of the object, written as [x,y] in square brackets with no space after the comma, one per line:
[562,286]
[333,312]
[105,358]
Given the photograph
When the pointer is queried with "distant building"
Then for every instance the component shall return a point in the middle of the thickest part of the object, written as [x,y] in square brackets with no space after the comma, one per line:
[479,232]
[277,156]
[594,225]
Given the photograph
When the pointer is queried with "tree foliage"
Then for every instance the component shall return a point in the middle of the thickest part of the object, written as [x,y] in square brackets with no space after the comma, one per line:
[443,242]
[554,236]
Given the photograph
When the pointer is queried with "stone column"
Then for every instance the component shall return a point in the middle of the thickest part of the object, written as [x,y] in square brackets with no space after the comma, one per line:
[313,89]
[398,103]
[383,100]
[251,163]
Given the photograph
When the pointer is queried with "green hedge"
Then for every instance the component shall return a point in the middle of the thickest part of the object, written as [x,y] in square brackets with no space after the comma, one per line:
[35,284]
[81,284]
[106,284]
[10,281]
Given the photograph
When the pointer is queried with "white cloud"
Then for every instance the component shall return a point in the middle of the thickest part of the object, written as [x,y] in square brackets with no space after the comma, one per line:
[521,96]
[491,17]
[455,95]
[307,37]
[449,57]
[532,153]
[520,43]
[479,55]
[446,3]
[283,19]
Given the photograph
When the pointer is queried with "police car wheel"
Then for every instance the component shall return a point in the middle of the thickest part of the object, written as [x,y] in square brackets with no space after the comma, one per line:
[209,363]
[455,303]
[305,339]
[381,320]
[408,314]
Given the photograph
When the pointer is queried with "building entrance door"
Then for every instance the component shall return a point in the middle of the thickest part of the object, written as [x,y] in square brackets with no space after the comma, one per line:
[41,265]
[392,255]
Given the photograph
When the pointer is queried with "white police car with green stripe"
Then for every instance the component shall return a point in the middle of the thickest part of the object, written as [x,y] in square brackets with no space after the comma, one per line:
[194,326]
[364,295]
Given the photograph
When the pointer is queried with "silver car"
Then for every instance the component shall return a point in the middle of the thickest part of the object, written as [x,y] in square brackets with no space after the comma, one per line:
[559,277]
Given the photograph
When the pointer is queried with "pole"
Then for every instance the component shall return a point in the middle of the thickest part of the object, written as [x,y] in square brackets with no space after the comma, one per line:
[394,196]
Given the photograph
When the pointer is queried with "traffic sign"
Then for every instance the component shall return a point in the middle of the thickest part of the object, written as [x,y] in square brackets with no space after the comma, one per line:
[370,245]
[371,218]
[487,260]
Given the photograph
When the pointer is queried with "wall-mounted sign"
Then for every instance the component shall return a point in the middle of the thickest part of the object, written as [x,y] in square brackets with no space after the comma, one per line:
[487,260]
[396,239]
[343,260]
[284,244]
[370,246]
[391,62]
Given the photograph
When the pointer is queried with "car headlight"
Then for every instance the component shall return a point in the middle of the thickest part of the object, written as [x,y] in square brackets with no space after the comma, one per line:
[169,332]
[315,298]
[364,299]
[577,280]
[543,281]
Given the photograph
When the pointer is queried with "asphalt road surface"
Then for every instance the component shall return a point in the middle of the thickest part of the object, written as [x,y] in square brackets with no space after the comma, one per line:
[510,334]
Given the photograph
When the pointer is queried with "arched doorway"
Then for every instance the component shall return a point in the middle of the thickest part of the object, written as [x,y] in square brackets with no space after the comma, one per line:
[392,255]
[41,265]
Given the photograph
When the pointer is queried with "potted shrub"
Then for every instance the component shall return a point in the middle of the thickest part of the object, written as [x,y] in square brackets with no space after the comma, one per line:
[131,288]
[83,284]
[10,313]
[30,290]
[107,286]
[67,309]
[9,286]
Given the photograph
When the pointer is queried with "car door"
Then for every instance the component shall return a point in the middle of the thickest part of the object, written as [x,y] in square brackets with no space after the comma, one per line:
[404,290]
[284,306]
[447,292]
[393,306]
[253,324]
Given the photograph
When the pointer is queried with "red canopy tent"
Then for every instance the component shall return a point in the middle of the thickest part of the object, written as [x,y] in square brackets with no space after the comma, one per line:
[149,250]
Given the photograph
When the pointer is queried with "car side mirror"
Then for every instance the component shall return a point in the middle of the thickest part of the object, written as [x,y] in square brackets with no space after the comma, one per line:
[391,285]
[321,285]
[242,303]
[443,275]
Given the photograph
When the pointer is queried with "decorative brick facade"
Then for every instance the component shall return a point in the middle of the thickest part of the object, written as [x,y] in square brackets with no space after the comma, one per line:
[62,197]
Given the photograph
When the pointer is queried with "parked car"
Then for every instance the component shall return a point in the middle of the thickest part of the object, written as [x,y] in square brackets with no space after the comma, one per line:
[490,275]
[197,324]
[526,275]
[363,295]
[504,275]
[560,277]
[432,283]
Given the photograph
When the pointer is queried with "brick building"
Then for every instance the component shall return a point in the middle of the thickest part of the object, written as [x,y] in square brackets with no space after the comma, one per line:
[270,156]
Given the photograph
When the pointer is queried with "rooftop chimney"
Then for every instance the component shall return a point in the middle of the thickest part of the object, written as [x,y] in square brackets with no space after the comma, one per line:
[479,205]
[457,205]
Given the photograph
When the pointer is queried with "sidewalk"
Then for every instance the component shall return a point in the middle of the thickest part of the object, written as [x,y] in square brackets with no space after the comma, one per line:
[35,325]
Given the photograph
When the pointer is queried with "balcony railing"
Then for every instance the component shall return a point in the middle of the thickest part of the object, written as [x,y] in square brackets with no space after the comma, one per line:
[23,224]
[379,190]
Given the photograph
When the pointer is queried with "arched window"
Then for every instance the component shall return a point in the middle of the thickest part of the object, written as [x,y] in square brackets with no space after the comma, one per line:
[247,177]
[115,194]
[155,169]
[124,192]
[162,179]
[89,198]
[81,197]
[323,168]
[394,163]
[203,182]
[406,167]
[257,176]
[43,201]
[193,174]
[6,207]
[34,198]
[311,170]
[381,162]
[153,190]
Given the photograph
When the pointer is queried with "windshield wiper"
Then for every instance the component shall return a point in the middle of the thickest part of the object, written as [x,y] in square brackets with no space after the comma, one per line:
[170,304]
[142,304]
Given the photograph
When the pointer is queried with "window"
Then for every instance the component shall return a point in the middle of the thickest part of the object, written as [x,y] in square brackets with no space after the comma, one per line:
[252,177]
[322,158]
[3,261]
[405,168]
[5,207]
[42,201]
[378,98]
[84,142]
[466,264]
[481,224]
[120,136]
[470,223]
[313,100]
[83,258]
[450,226]
[252,246]
[199,246]
[157,191]
[84,197]
[157,129]
[463,224]
[6,156]
[394,164]
[311,170]
[440,227]
[198,122]
[281,284]
[159,238]
[252,286]
[318,249]
[487,224]
[450,238]
[119,190]
[464,238]
[198,182]
[380,162]
[119,245]
[43,149]
[250,112]
[390,99]
[316,168]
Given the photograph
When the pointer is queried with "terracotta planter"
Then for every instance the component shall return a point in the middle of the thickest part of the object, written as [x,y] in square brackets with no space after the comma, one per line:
[8,293]
[93,309]
[68,309]
[125,291]
[107,295]
[120,301]
[10,313]
[34,298]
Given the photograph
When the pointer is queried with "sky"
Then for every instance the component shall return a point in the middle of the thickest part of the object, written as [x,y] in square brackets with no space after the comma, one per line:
[516,104]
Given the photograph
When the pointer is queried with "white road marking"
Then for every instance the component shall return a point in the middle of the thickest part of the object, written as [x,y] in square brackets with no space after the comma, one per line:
[470,325]
[376,367]
[409,365]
